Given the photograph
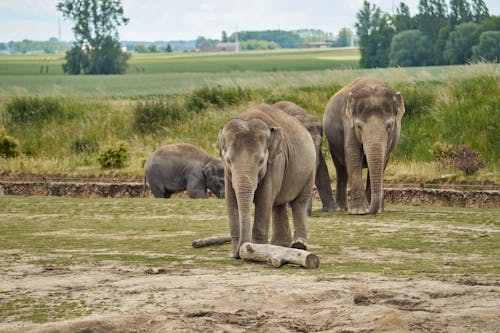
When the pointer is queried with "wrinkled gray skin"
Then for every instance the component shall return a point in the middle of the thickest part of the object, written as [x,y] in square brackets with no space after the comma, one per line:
[362,123]
[178,167]
[315,128]
[269,160]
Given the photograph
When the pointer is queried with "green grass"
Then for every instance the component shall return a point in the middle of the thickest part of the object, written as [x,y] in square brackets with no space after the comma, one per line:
[158,233]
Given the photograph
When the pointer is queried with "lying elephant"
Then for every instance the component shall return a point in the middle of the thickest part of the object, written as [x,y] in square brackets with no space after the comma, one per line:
[315,128]
[269,159]
[362,123]
[178,167]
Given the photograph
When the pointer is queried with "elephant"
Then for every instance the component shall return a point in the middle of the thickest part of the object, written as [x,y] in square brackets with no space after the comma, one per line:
[269,159]
[315,128]
[178,167]
[362,124]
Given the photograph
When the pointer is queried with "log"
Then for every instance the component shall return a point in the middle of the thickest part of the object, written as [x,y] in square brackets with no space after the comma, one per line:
[214,240]
[278,255]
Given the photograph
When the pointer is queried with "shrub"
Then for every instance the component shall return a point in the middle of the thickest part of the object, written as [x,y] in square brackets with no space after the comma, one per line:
[84,145]
[114,157]
[442,151]
[24,110]
[418,98]
[218,96]
[8,146]
[467,160]
[150,115]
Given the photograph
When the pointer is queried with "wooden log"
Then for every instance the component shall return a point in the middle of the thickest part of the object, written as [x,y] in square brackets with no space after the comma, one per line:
[214,240]
[278,255]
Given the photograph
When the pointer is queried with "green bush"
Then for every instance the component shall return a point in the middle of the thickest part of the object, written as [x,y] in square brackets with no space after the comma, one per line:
[8,146]
[151,115]
[25,110]
[114,157]
[418,97]
[217,96]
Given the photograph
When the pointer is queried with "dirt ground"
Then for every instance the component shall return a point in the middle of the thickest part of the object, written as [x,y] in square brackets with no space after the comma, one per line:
[255,298]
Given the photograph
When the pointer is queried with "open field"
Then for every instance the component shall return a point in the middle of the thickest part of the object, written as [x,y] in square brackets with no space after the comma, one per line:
[126,265]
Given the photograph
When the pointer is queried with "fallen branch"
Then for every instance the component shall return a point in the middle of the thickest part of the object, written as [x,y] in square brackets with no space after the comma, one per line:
[278,255]
[215,240]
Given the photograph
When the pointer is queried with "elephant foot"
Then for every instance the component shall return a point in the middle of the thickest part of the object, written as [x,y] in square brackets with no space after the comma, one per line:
[358,211]
[299,244]
[331,209]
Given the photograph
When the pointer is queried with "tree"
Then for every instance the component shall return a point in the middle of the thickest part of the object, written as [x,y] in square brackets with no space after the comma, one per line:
[375,35]
[411,48]
[152,48]
[488,48]
[460,12]
[76,61]
[224,37]
[96,28]
[458,48]
[402,21]
[344,38]
[479,11]
[169,48]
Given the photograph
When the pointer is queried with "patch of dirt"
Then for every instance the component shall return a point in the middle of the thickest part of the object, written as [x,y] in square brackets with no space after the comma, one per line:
[251,298]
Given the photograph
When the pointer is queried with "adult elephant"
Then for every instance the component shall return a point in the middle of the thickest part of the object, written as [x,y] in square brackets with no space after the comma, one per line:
[315,129]
[362,123]
[178,167]
[269,160]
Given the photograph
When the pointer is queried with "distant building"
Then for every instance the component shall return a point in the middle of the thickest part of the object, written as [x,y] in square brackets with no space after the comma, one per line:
[205,47]
[226,47]
[315,45]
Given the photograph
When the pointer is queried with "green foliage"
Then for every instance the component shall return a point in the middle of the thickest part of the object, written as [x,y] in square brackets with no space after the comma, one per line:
[217,97]
[285,39]
[84,145]
[488,48]
[77,61]
[152,114]
[108,59]
[442,151]
[411,48]
[253,44]
[8,145]
[52,46]
[114,157]
[458,49]
[418,98]
[30,110]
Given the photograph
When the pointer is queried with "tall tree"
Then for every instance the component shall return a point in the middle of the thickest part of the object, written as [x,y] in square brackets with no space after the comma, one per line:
[488,48]
[411,48]
[460,12]
[96,32]
[458,48]
[224,37]
[344,38]
[402,20]
[479,11]
[375,35]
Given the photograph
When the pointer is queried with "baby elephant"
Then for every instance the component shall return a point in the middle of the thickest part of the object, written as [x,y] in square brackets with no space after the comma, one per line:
[178,167]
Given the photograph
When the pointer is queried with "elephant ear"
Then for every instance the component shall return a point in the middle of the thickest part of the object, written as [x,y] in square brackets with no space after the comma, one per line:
[348,108]
[275,143]
[208,169]
[400,106]
[220,141]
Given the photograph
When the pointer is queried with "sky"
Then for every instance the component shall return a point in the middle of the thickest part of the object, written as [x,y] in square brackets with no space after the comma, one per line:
[152,20]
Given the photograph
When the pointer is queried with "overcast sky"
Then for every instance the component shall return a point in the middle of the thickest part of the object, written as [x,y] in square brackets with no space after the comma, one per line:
[152,20]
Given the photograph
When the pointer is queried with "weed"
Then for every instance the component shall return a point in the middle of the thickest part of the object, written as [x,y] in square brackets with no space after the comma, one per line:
[8,145]
[25,110]
[151,115]
[114,157]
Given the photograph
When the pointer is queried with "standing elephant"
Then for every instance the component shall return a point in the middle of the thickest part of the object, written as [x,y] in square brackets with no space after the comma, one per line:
[315,129]
[178,167]
[362,123]
[269,160]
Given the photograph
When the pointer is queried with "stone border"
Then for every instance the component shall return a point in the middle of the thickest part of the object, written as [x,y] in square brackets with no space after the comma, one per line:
[395,196]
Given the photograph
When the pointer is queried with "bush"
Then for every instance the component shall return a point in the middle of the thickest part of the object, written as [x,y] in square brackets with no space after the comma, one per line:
[218,96]
[84,145]
[8,146]
[442,151]
[150,115]
[418,98]
[467,160]
[25,110]
[114,157]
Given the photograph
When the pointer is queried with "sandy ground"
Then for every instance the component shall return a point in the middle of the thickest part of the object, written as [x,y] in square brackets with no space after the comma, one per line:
[254,298]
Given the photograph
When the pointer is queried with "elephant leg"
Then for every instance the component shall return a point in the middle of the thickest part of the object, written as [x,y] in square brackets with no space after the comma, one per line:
[358,203]
[281,226]
[263,208]
[299,206]
[324,187]
[196,187]
[341,189]
[233,219]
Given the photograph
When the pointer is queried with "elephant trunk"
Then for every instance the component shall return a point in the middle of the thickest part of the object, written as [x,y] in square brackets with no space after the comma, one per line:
[244,187]
[375,157]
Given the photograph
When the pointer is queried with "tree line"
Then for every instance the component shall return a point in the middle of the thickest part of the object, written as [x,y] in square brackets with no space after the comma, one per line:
[439,34]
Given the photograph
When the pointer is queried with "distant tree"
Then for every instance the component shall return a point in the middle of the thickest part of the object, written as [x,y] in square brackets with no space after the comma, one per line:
[140,48]
[480,11]
[458,49]
[286,39]
[152,48]
[440,44]
[460,12]
[375,34]
[224,37]
[402,20]
[411,48]
[77,61]
[488,48]
[3,46]
[169,48]
[344,38]
[96,27]
[258,45]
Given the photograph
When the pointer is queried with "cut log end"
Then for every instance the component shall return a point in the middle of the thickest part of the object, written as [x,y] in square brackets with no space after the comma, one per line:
[278,255]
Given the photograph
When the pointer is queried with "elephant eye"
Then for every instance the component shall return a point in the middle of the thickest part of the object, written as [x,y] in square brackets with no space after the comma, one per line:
[389,123]
[359,125]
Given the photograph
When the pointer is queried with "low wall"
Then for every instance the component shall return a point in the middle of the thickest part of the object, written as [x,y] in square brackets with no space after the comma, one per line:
[397,196]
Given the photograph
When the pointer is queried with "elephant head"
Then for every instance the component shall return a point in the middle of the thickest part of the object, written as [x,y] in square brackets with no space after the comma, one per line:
[247,148]
[374,114]
[214,176]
